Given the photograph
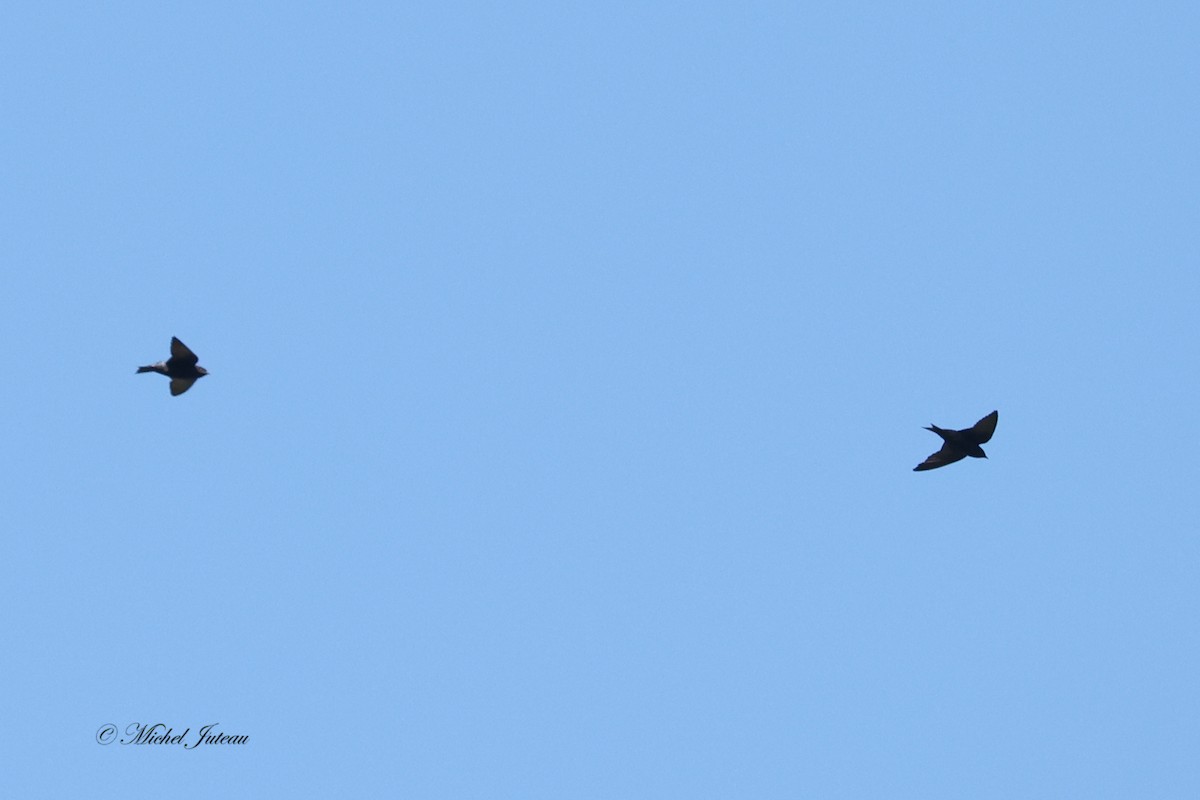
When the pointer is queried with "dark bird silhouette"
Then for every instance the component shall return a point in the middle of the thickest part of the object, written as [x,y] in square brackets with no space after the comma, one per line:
[181,368]
[957,445]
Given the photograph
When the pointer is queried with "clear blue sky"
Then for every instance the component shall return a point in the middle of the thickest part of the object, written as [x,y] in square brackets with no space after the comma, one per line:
[569,366]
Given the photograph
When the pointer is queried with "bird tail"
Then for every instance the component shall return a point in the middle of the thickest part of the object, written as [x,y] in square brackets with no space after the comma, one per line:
[146,369]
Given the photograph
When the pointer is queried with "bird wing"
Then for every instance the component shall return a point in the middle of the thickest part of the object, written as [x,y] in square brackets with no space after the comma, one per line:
[180,350]
[947,455]
[983,430]
[181,385]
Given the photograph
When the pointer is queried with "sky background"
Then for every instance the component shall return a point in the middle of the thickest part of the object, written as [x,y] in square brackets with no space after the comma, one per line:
[569,364]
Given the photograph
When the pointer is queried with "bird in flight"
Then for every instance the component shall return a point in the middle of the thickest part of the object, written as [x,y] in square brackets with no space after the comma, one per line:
[957,445]
[181,368]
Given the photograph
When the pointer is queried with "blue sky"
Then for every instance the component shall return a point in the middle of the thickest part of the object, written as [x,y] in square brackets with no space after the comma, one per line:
[569,365]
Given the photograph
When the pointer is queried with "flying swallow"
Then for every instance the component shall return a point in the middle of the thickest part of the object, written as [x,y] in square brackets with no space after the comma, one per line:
[181,368]
[957,445]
